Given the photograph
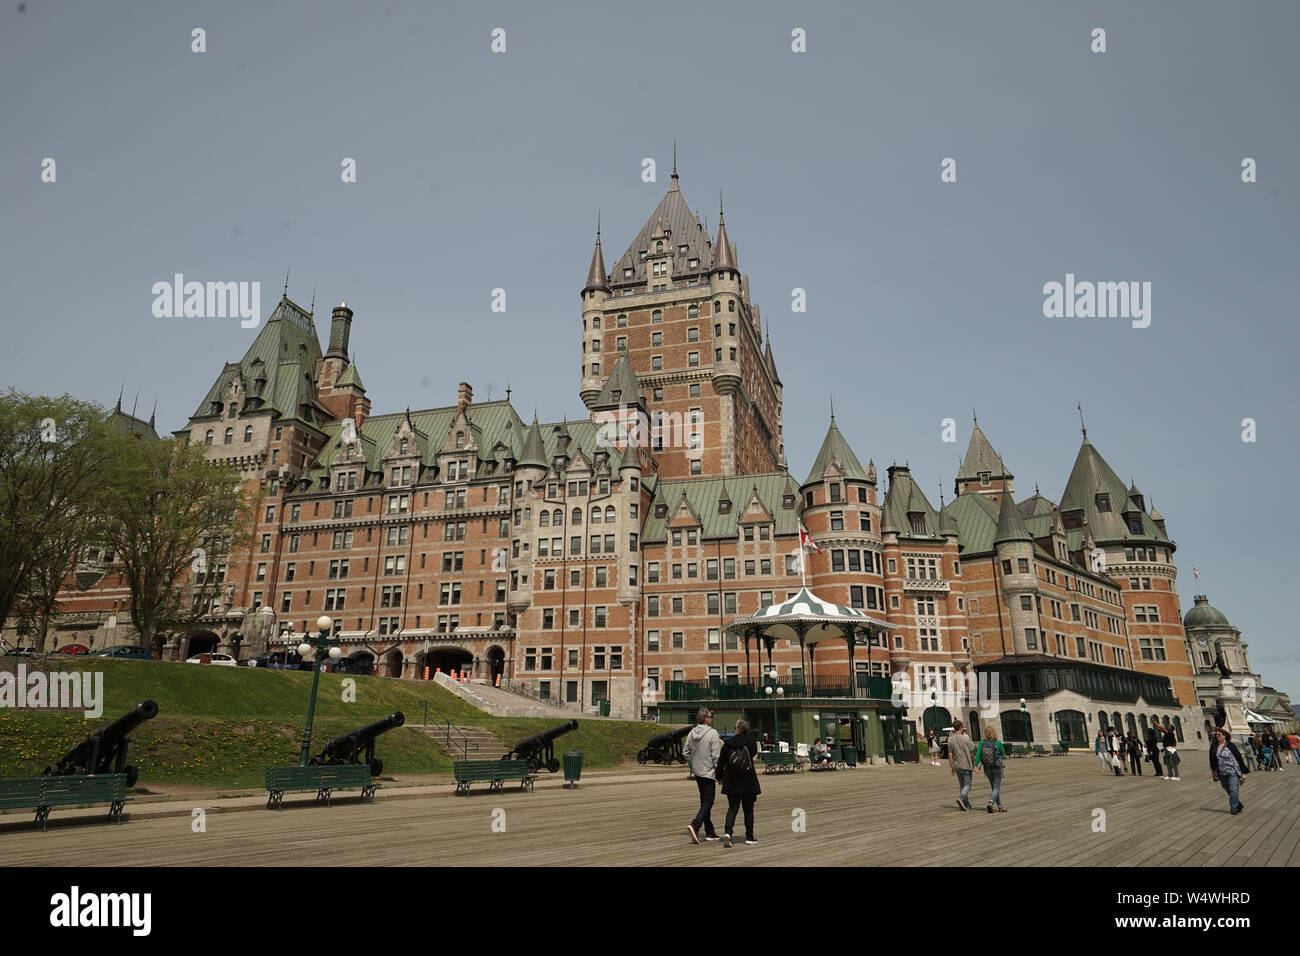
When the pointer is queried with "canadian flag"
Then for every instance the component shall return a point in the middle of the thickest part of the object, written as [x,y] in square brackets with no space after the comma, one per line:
[806,541]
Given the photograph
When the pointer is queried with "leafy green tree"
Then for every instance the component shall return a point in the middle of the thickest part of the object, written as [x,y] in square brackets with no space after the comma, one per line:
[169,510]
[54,454]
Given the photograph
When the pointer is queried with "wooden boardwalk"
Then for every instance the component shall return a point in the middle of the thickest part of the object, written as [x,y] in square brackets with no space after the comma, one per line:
[872,816]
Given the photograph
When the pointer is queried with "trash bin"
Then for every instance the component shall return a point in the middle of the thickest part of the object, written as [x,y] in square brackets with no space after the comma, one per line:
[850,755]
[604,708]
[572,767]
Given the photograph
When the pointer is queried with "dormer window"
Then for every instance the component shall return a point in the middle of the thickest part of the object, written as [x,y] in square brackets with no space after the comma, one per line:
[351,449]
[681,250]
[643,255]
[460,440]
[917,521]
[401,447]
[627,273]
[659,246]
[1103,502]
[724,507]
[692,263]
[984,479]
[234,409]
[661,511]
[617,394]
[787,502]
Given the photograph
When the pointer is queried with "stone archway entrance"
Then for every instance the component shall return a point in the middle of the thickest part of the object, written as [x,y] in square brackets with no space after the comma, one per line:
[496,662]
[358,662]
[449,659]
[201,642]
[392,666]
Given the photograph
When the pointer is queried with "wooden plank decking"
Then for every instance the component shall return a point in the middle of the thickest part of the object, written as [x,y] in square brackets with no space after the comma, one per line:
[873,816]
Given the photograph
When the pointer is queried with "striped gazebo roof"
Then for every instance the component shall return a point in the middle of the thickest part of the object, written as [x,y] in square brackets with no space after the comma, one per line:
[806,618]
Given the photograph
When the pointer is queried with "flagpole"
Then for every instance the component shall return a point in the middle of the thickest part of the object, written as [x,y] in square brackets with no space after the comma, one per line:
[803,566]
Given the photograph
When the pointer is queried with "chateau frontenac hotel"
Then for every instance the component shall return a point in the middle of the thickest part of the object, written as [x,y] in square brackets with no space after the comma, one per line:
[599,560]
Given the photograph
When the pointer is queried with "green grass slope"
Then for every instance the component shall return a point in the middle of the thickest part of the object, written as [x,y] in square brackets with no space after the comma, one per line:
[221,726]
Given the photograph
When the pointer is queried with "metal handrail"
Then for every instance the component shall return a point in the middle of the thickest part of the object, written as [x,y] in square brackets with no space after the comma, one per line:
[515,687]
[447,728]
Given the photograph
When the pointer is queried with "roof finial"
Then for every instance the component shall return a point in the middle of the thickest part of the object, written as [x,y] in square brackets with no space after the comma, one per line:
[312,310]
[597,227]
[1035,489]
[974,416]
[832,409]
[135,403]
[286,283]
[153,413]
[1081,422]
[507,391]
[720,220]
[119,397]
[674,158]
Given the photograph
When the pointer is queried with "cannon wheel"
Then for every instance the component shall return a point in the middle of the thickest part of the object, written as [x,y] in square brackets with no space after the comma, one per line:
[642,757]
[553,766]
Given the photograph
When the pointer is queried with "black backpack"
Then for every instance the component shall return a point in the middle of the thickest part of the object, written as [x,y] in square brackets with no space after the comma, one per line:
[739,763]
[989,756]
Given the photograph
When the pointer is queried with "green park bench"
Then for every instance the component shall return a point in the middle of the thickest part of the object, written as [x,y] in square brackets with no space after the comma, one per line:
[1059,750]
[492,772]
[774,761]
[323,779]
[1038,751]
[1018,750]
[44,793]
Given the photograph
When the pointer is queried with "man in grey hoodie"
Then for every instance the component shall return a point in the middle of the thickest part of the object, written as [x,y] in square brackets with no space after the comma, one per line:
[701,749]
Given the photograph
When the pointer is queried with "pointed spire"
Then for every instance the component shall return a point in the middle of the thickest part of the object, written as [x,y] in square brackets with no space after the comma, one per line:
[118,407]
[1081,422]
[674,185]
[286,284]
[722,257]
[1011,527]
[153,413]
[596,277]
[312,309]
[832,409]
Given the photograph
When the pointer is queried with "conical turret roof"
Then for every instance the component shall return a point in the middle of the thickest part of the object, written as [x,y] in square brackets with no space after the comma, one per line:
[534,451]
[621,388]
[980,456]
[596,276]
[835,448]
[1011,527]
[723,257]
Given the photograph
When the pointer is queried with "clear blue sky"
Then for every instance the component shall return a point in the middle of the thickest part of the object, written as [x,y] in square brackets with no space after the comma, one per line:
[479,170]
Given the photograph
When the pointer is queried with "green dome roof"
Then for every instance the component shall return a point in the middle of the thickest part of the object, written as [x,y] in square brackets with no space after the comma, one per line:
[1203,615]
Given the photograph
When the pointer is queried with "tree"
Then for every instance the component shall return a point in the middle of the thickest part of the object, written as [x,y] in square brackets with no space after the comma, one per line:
[55,559]
[53,456]
[170,509]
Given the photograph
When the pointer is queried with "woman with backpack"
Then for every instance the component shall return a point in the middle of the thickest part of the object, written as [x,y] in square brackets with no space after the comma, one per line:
[739,781]
[989,758]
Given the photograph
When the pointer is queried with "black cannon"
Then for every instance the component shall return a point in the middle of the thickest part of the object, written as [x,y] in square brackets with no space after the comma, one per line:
[348,747]
[539,749]
[104,751]
[664,748]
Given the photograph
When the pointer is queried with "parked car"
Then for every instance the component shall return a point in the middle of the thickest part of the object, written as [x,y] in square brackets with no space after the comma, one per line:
[275,661]
[221,660]
[129,651]
[20,652]
[346,665]
[74,649]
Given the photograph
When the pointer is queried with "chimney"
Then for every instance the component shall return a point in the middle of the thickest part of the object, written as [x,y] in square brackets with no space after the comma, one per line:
[340,332]
[464,396]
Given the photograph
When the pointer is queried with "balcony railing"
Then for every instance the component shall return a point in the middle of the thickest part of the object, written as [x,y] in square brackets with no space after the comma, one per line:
[716,689]
[925,584]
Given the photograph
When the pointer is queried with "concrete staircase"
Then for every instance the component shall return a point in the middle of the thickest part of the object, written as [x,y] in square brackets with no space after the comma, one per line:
[482,744]
[503,703]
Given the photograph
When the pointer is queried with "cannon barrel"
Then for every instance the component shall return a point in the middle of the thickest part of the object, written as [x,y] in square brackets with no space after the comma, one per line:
[666,739]
[529,744]
[346,747]
[104,751]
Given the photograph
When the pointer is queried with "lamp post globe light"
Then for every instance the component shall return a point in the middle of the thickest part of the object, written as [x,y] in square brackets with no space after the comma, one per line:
[1024,721]
[932,713]
[325,645]
[774,690]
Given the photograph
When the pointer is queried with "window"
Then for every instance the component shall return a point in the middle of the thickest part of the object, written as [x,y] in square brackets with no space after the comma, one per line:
[1031,638]
[230,434]
[1151,648]
[335,598]
[678,640]
[1022,565]
[656,338]
[652,606]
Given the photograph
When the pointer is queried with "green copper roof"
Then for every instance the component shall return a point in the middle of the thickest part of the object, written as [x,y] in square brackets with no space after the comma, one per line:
[1203,614]
[1011,527]
[977,522]
[704,495]
[836,449]
[351,376]
[281,358]
[534,451]
[1090,481]
[902,498]
[980,456]
[621,388]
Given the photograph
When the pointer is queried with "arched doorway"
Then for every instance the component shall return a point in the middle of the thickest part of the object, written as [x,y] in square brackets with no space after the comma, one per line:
[496,660]
[935,718]
[1017,725]
[201,642]
[393,663]
[358,662]
[449,659]
[1071,730]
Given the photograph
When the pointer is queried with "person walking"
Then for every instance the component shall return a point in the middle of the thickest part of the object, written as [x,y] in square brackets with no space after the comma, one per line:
[990,757]
[1116,742]
[1102,749]
[1134,749]
[961,751]
[1294,739]
[739,782]
[1153,749]
[1171,753]
[1228,769]
[701,750]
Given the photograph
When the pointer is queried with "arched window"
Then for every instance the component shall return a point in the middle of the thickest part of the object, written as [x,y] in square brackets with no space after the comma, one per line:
[1130,722]
[1017,725]
[609,514]
[557,517]
[975,732]
[659,246]
[544,519]
[576,517]
[248,433]
[402,447]
[230,435]
[460,439]
[1116,721]
[1178,729]
[1142,722]
[1103,722]
[207,439]
[233,410]
[595,514]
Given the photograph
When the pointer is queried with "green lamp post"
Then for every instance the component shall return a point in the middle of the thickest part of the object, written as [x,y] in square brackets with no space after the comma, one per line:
[325,645]
[775,691]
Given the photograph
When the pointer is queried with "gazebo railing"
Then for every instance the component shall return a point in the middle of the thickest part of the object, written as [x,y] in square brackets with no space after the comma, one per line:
[716,689]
